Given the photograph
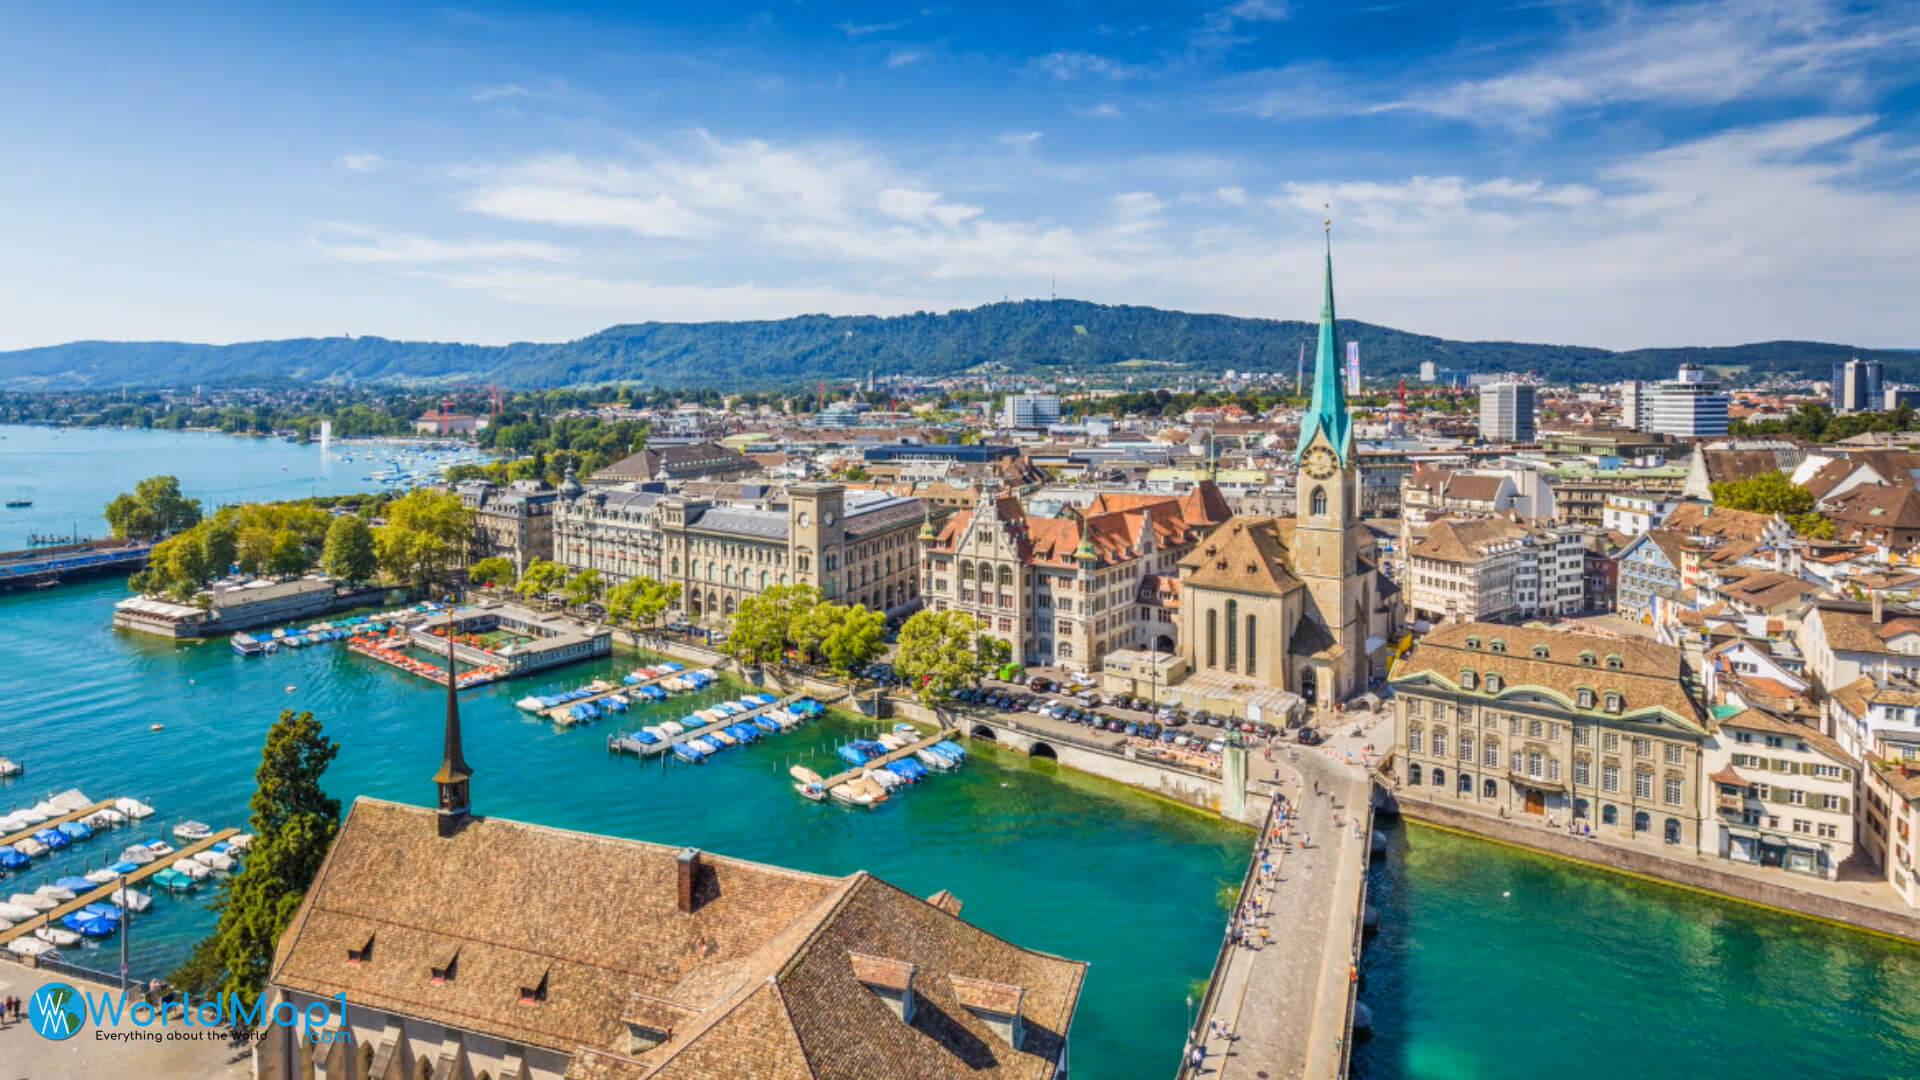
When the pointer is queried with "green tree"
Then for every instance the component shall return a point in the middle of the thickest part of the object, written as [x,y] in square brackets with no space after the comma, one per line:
[219,546]
[1766,493]
[349,554]
[176,567]
[128,519]
[289,556]
[293,823]
[584,587]
[854,637]
[155,508]
[425,535]
[764,625]
[496,569]
[940,652]
[640,601]
[540,578]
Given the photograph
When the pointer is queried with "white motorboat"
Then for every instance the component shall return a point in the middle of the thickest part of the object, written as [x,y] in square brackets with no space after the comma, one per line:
[69,801]
[215,859]
[673,728]
[138,854]
[160,848]
[845,794]
[47,808]
[195,870]
[101,876]
[30,847]
[54,935]
[29,946]
[530,704]
[886,778]
[192,831]
[107,818]
[132,899]
[29,816]
[17,913]
[10,767]
[33,901]
[133,808]
[891,741]
[59,894]
[932,760]
[13,823]
[240,841]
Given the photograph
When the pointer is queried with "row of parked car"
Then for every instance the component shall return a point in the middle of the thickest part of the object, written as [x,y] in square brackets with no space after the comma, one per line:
[1085,707]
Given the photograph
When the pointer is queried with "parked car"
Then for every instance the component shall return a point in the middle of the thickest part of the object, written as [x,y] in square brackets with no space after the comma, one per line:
[1310,737]
[1040,684]
[1088,698]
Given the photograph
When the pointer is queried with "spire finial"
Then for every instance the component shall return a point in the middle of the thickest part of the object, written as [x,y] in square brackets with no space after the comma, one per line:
[451,780]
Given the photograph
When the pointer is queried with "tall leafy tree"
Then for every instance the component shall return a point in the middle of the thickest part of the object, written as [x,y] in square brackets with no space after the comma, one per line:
[349,554]
[940,652]
[497,569]
[540,578]
[764,625]
[855,636]
[584,587]
[153,509]
[1773,493]
[425,535]
[293,823]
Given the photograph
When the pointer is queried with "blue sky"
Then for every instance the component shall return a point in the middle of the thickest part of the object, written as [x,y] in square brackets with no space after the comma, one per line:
[1617,174]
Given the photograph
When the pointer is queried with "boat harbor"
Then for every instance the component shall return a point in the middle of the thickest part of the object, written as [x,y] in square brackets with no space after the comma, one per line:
[102,898]
[699,735]
[880,766]
[637,687]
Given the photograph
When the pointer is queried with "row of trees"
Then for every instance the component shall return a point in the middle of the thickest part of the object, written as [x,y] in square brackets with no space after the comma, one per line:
[423,536]
[1816,422]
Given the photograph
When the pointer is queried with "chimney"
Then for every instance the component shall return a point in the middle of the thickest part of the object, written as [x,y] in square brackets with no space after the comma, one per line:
[1879,605]
[995,1004]
[890,980]
[689,866]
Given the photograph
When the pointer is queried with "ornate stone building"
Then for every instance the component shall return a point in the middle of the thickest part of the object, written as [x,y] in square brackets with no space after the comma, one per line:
[1069,589]
[475,948]
[1295,604]
[1606,733]
[855,547]
[514,522]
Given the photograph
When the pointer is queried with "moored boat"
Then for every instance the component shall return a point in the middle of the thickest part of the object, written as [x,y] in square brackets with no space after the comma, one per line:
[132,899]
[192,831]
[30,946]
[34,901]
[54,935]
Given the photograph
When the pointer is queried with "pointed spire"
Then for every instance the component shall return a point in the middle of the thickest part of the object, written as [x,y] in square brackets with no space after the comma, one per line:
[451,780]
[1328,412]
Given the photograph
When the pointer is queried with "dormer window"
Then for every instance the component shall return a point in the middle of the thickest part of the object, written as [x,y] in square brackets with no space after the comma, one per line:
[1467,679]
[1587,658]
[1614,702]
[1614,663]
[1540,652]
[530,995]
[1497,645]
[443,969]
[1493,682]
[1584,697]
[362,954]
[1473,642]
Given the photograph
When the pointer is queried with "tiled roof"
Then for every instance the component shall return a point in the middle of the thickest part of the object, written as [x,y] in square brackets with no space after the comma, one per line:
[1875,506]
[1855,631]
[1458,540]
[759,980]
[1902,777]
[1756,720]
[1243,555]
[1704,519]
[1650,676]
[1857,696]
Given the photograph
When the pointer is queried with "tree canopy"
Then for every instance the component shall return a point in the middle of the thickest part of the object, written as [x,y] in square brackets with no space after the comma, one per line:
[540,578]
[640,601]
[766,624]
[154,508]
[494,569]
[1775,493]
[349,554]
[426,534]
[293,822]
[942,651]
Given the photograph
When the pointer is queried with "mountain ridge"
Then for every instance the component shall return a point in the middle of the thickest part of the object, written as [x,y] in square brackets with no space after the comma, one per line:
[1028,336]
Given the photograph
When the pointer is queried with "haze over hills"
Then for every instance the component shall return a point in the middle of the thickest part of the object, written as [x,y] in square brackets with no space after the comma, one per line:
[1037,336]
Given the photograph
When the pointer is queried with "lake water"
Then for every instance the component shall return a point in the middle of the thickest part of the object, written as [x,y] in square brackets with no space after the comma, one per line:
[72,473]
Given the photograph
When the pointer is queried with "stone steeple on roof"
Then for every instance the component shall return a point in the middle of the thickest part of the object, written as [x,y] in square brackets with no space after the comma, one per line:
[1328,412]
[453,765]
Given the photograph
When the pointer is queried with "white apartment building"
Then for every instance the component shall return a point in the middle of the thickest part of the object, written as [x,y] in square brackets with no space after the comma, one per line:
[1030,411]
[1777,794]
[1493,569]
[1632,514]
[1506,412]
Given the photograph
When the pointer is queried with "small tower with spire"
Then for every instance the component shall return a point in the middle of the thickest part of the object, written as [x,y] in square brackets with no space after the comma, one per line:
[451,780]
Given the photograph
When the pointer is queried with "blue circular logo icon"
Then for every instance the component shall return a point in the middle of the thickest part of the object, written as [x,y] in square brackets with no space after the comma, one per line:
[56,1011]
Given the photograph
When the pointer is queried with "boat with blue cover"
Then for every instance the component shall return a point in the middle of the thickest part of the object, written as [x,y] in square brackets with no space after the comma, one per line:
[54,839]
[79,830]
[686,751]
[11,858]
[767,724]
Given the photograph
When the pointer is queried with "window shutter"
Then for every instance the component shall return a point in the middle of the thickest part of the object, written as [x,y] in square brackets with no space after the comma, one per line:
[1843,805]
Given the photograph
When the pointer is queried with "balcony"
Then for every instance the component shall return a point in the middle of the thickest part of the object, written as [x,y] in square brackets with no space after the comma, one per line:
[1731,803]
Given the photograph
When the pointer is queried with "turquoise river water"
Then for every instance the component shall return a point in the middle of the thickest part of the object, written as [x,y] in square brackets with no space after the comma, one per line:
[1490,964]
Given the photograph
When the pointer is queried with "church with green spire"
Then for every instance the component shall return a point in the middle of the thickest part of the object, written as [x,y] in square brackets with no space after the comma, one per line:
[1295,604]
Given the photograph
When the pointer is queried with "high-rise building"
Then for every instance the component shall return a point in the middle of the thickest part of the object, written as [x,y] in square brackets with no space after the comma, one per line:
[1636,401]
[1857,385]
[1030,411]
[1429,371]
[1690,406]
[1506,412]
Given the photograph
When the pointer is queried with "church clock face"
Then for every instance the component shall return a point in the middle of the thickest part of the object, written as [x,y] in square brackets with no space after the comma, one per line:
[1319,463]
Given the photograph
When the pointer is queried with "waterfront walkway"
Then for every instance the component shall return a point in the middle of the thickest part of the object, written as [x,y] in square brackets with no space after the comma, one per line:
[1282,1000]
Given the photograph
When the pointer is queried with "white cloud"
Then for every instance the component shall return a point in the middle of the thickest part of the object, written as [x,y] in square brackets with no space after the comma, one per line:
[1068,64]
[362,162]
[1705,53]
[860,30]
[899,58]
[503,92]
[1019,140]
[364,244]
[1105,110]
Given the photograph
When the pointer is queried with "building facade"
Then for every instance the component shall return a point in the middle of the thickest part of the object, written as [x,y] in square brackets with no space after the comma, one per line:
[1507,412]
[1600,733]
[514,522]
[1890,813]
[1778,794]
[1494,568]
[1690,406]
[1857,385]
[1030,411]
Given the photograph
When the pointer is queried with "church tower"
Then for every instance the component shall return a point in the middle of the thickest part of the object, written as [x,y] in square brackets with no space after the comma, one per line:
[1326,556]
[451,780]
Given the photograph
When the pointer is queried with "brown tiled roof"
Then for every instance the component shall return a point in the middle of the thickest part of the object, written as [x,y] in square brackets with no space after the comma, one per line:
[1727,776]
[758,981]
[1243,555]
[1767,589]
[987,995]
[880,971]
[1855,631]
[1858,695]
[1464,540]
[1651,675]
[1726,465]
[1756,720]
[1704,519]
[1875,506]
[1903,778]
[1474,486]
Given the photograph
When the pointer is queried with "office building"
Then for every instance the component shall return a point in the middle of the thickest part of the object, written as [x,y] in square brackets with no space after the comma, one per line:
[1690,406]
[1030,411]
[1857,385]
[1506,412]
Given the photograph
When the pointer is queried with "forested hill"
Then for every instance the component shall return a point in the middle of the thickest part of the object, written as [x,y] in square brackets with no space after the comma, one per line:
[1031,335]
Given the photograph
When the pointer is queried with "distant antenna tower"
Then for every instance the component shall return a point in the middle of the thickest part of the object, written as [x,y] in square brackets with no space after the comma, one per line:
[1053,287]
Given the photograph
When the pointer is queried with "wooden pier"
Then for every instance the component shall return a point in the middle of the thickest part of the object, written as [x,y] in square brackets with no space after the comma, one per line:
[558,714]
[616,745]
[105,892]
[887,758]
[54,823]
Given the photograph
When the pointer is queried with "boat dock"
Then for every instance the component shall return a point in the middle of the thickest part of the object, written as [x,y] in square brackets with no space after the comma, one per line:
[558,714]
[105,892]
[619,746]
[54,823]
[888,758]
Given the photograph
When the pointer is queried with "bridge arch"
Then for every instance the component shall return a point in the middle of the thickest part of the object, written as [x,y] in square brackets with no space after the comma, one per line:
[982,731]
[1043,750]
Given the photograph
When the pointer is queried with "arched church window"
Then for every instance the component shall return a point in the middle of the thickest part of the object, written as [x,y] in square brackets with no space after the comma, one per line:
[1319,502]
